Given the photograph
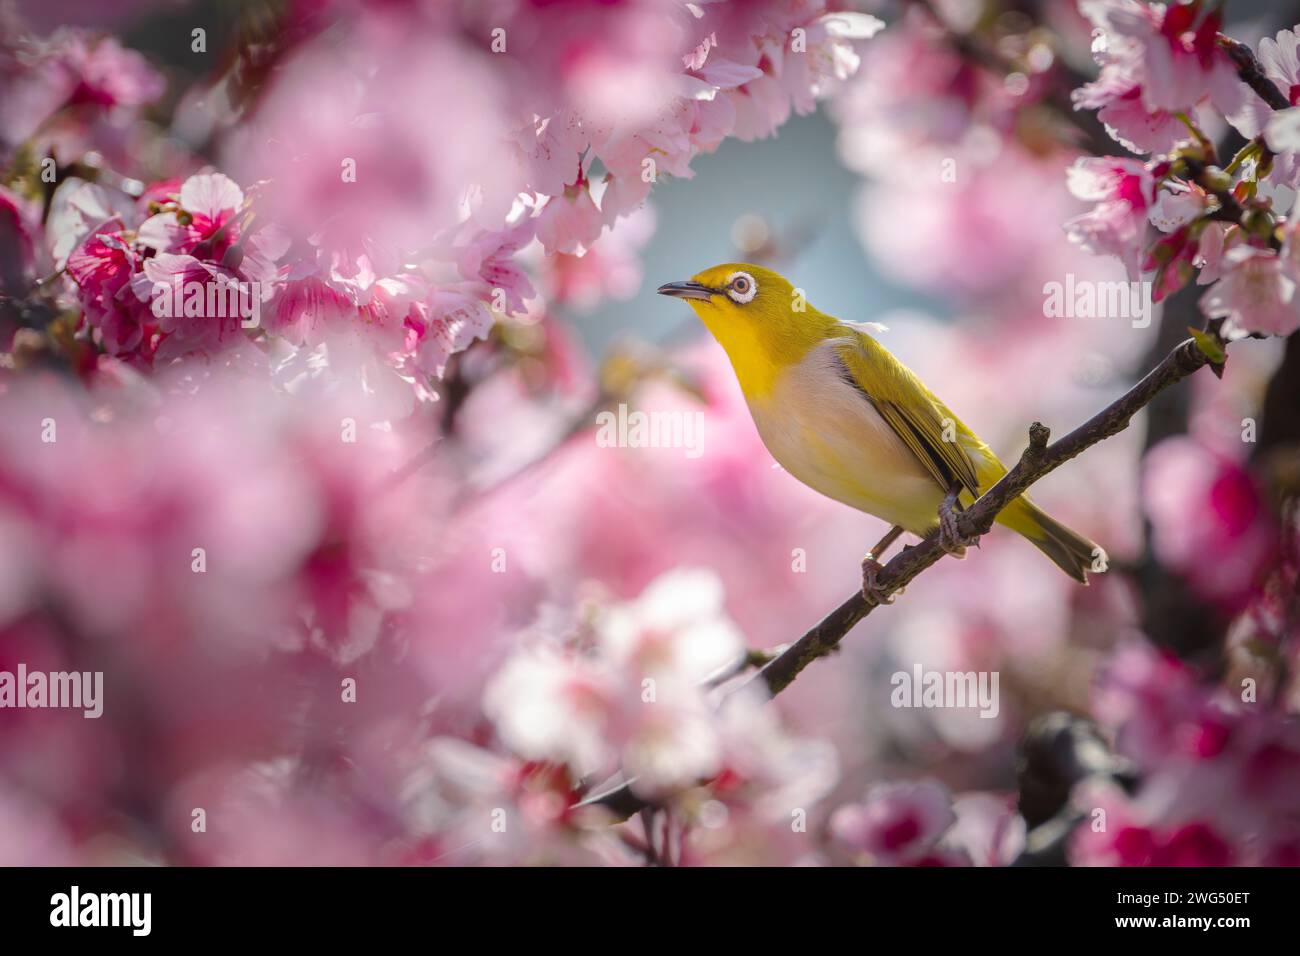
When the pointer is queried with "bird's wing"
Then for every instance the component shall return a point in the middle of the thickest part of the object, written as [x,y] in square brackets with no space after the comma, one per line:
[911,410]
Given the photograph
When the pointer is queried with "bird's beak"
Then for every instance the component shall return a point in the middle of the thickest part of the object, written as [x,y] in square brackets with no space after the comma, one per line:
[686,290]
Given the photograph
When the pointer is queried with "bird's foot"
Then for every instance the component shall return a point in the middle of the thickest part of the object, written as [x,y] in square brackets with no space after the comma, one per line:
[871,590]
[950,538]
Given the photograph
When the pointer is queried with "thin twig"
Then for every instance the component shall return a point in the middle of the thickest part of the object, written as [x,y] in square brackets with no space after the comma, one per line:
[1252,73]
[752,658]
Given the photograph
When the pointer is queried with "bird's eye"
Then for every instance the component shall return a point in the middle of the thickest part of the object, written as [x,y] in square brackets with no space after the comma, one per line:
[742,287]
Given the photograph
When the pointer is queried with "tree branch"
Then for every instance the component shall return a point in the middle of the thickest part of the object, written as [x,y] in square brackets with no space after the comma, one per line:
[1037,460]
[1252,73]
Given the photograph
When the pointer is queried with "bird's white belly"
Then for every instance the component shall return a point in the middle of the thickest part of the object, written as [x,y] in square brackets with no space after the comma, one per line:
[825,433]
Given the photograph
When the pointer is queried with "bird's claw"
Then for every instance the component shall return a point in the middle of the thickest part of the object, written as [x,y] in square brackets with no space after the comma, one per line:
[950,539]
[875,595]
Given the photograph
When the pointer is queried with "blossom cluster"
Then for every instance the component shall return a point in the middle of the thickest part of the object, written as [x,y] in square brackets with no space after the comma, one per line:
[231,505]
[1166,72]
[382,238]
[296,444]
[1219,777]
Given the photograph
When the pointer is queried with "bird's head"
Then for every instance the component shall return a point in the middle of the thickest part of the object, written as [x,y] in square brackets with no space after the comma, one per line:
[760,319]
[737,291]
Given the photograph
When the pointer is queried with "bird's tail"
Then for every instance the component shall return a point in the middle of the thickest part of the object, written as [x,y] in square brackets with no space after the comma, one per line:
[1071,552]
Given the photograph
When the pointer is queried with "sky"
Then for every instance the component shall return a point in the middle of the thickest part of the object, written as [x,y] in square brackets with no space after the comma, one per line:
[794,181]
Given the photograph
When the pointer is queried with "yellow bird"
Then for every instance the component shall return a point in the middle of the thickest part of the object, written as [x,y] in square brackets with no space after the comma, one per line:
[845,417]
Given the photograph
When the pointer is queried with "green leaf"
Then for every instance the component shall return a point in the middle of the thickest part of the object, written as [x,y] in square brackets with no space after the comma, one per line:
[1209,345]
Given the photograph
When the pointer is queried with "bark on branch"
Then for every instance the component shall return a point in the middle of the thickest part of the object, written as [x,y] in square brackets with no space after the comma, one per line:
[1038,459]
[1252,73]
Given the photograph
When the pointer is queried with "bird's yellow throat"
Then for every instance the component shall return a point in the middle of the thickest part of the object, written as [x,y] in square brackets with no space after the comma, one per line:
[752,353]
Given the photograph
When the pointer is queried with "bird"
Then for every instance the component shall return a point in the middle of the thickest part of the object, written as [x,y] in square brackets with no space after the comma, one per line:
[842,415]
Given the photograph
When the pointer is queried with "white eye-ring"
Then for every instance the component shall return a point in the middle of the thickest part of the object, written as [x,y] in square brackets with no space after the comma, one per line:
[741,287]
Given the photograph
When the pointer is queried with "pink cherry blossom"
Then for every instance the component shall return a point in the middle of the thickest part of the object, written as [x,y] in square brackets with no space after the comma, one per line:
[568,54]
[1217,780]
[1216,237]
[1156,707]
[69,69]
[487,258]
[1174,208]
[370,580]
[1131,838]
[1201,504]
[548,705]
[611,269]
[915,93]
[345,159]
[988,829]
[121,262]
[1117,97]
[675,631]
[464,785]
[205,213]
[101,71]
[80,208]
[898,824]
[571,222]
[103,267]
[1257,292]
[1183,62]
[1123,191]
[167,281]
[1280,57]
[1169,53]
[455,317]
[1281,64]
[637,700]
